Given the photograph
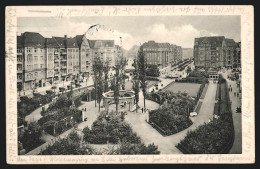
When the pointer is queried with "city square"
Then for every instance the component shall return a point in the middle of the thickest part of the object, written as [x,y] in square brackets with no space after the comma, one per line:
[96,93]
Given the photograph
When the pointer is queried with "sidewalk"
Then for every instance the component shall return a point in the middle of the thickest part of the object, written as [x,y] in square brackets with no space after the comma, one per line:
[42,90]
[237,119]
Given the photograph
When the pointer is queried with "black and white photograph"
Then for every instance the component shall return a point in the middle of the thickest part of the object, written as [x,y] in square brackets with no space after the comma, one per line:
[129,84]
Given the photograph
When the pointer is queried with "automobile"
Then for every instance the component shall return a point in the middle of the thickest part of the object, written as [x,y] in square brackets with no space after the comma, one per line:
[192,114]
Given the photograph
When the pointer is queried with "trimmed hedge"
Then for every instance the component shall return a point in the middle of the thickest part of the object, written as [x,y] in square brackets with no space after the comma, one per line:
[152,78]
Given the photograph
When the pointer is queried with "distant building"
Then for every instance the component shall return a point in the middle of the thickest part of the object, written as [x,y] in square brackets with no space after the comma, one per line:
[215,51]
[45,61]
[161,54]
[237,56]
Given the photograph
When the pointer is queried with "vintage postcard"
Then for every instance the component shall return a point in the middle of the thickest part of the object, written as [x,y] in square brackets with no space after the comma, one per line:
[130,84]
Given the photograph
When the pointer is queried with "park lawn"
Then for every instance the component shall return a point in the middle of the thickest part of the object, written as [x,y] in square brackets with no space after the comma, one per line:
[191,88]
[129,84]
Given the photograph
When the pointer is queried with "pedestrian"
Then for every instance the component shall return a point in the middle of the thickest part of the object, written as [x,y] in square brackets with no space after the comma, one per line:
[234,93]
[237,94]
[142,109]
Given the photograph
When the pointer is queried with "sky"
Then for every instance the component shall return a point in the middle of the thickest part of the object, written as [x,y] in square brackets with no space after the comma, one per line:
[135,30]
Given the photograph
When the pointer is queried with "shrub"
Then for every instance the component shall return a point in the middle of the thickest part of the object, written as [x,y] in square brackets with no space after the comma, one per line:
[31,137]
[112,129]
[68,146]
[210,138]
[62,102]
[152,78]
[128,148]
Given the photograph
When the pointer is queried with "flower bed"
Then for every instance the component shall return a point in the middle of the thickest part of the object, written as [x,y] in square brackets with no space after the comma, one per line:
[173,114]
[168,122]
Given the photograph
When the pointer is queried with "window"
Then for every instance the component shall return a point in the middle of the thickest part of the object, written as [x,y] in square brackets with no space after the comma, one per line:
[35,66]
[29,50]
[35,58]
[35,50]
[19,58]
[19,50]
[77,50]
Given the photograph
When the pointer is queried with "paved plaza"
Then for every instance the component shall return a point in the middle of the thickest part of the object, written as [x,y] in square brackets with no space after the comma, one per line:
[167,144]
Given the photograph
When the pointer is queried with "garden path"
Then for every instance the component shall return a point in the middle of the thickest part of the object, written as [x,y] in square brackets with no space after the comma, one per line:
[36,114]
[166,145]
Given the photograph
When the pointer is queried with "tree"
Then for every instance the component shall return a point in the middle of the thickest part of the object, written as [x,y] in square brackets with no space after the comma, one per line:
[141,70]
[106,70]
[99,91]
[136,86]
[153,70]
[121,66]
[98,72]
[116,90]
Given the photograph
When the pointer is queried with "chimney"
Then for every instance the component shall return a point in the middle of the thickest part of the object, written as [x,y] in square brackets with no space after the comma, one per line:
[65,36]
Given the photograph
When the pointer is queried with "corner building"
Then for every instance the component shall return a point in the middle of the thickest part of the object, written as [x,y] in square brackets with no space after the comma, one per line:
[214,51]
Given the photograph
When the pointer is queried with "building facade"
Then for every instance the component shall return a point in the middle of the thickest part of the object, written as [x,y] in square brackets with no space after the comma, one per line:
[46,61]
[215,51]
[161,54]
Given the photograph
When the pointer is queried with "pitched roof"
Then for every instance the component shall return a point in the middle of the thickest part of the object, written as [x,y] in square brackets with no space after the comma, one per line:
[101,43]
[211,39]
[60,41]
[19,41]
[33,39]
[51,42]
[150,44]
[72,43]
[230,42]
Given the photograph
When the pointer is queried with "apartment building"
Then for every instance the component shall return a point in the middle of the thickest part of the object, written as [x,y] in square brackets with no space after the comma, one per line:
[104,49]
[161,54]
[215,51]
[46,61]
